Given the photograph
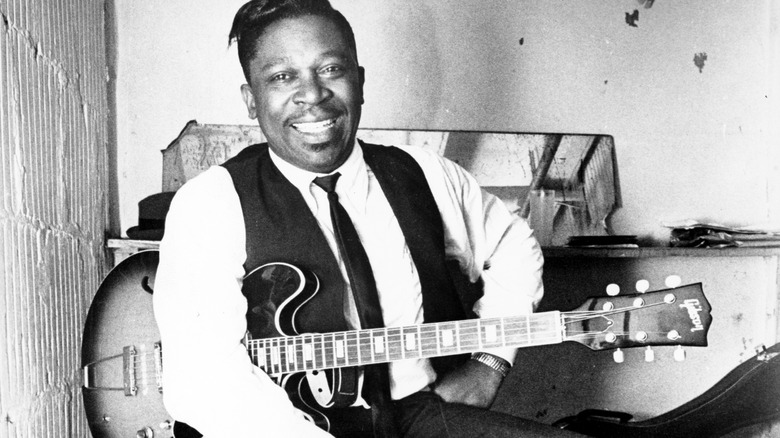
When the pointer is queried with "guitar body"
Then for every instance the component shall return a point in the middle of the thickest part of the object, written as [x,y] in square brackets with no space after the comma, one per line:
[122,360]
[275,292]
[120,316]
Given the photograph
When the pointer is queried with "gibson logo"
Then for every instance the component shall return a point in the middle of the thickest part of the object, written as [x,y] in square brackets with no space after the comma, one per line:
[693,308]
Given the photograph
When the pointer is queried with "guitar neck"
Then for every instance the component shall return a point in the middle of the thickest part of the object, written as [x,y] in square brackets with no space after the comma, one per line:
[290,354]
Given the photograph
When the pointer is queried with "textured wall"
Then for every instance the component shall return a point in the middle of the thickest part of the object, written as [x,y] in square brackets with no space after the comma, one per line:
[53,181]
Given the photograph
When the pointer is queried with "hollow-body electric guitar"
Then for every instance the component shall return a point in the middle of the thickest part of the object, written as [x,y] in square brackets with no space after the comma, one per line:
[122,357]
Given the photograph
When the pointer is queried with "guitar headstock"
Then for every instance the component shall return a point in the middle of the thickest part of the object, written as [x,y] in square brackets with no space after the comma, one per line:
[674,316]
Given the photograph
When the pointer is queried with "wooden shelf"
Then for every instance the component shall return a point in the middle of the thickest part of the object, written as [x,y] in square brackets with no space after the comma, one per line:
[130,245]
[649,252]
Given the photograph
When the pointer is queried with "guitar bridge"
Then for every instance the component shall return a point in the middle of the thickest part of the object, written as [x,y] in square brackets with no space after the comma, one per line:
[158,366]
[128,371]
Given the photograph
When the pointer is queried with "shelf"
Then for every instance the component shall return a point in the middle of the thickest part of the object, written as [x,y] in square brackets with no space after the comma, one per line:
[132,245]
[125,245]
[650,252]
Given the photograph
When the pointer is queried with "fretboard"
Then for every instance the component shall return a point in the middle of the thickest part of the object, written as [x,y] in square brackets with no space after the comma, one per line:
[290,354]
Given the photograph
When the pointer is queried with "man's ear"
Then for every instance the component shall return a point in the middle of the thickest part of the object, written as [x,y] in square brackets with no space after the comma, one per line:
[362,79]
[249,100]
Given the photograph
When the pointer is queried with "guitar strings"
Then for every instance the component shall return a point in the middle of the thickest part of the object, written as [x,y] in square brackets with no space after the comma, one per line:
[276,350]
[151,376]
[600,313]
[394,335]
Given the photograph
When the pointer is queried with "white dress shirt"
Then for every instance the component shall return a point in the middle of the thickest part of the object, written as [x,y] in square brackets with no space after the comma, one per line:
[210,382]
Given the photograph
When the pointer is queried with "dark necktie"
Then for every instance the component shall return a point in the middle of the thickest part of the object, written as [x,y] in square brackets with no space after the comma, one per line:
[376,385]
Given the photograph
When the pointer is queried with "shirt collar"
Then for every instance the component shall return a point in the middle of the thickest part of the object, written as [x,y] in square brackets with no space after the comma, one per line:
[353,182]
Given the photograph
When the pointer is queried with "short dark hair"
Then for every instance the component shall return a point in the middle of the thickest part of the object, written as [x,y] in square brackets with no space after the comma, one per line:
[255,16]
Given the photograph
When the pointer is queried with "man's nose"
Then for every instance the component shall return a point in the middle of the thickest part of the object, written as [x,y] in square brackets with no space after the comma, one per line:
[312,91]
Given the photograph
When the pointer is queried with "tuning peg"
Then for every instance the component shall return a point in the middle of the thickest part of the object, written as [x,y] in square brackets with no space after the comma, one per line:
[613,289]
[679,354]
[618,356]
[649,354]
[673,281]
[642,286]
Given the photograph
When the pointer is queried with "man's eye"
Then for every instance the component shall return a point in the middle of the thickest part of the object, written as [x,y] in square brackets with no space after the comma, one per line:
[333,70]
[280,77]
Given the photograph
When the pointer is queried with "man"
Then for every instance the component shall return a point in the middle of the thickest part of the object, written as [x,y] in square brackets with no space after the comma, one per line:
[412,211]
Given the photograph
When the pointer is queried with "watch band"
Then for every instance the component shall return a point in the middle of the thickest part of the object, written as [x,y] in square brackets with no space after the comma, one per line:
[498,364]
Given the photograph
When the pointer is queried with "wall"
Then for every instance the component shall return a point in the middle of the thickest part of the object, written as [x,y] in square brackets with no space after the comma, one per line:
[53,209]
[690,142]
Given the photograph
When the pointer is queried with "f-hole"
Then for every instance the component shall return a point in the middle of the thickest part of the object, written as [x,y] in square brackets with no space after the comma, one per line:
[146,286]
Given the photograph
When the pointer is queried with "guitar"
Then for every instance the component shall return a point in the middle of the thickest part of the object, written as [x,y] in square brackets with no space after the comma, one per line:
[122,359]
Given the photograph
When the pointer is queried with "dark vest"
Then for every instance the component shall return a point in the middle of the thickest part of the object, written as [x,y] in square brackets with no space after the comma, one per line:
[281,228]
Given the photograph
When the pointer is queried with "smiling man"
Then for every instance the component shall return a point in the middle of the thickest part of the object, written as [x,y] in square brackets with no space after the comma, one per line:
[378,228]
[306,90]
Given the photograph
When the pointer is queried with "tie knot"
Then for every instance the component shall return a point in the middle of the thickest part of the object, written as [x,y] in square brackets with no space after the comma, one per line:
[327,183]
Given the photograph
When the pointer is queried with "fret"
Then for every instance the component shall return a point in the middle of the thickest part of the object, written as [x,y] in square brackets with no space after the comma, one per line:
[260,358]
[419,342]
[330,350]
[323,351]
[302,354]
[267,356]
[528,328]
[279,355]
[308,353]
[490,336]
[479,334]
[546,330]
[286,354]
[293,355]
[366,352]
[409,343]
[370,344]
[385,346]
[395,350]
[428,340]
[379,346]
[457,336]
[503,332]
[410,336]
[352,350]
[270,356]
[448,342]
[277,348]
[469,335]
[515,335]
[339,343]
[275,357]
[438,342]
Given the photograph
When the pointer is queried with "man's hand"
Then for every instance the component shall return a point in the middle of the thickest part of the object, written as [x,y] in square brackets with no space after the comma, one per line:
[474,384]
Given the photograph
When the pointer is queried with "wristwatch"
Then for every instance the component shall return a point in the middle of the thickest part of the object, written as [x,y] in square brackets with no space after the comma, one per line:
[497,363]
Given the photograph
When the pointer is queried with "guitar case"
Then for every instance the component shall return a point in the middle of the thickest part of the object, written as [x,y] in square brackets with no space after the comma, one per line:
[747,395]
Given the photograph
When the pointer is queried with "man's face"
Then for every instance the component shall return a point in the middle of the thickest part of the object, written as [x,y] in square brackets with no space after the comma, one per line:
[306,91]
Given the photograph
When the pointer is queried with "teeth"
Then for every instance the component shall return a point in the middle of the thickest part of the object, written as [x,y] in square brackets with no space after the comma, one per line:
[314,127]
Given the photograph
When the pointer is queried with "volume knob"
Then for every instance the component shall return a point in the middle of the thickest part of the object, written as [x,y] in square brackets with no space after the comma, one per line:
[146,432]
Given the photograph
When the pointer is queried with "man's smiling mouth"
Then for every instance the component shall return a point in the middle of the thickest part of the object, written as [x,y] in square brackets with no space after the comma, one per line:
[314,127]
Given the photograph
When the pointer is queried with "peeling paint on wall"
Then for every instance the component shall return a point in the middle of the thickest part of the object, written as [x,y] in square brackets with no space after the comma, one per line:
[632,18]
[698,60]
